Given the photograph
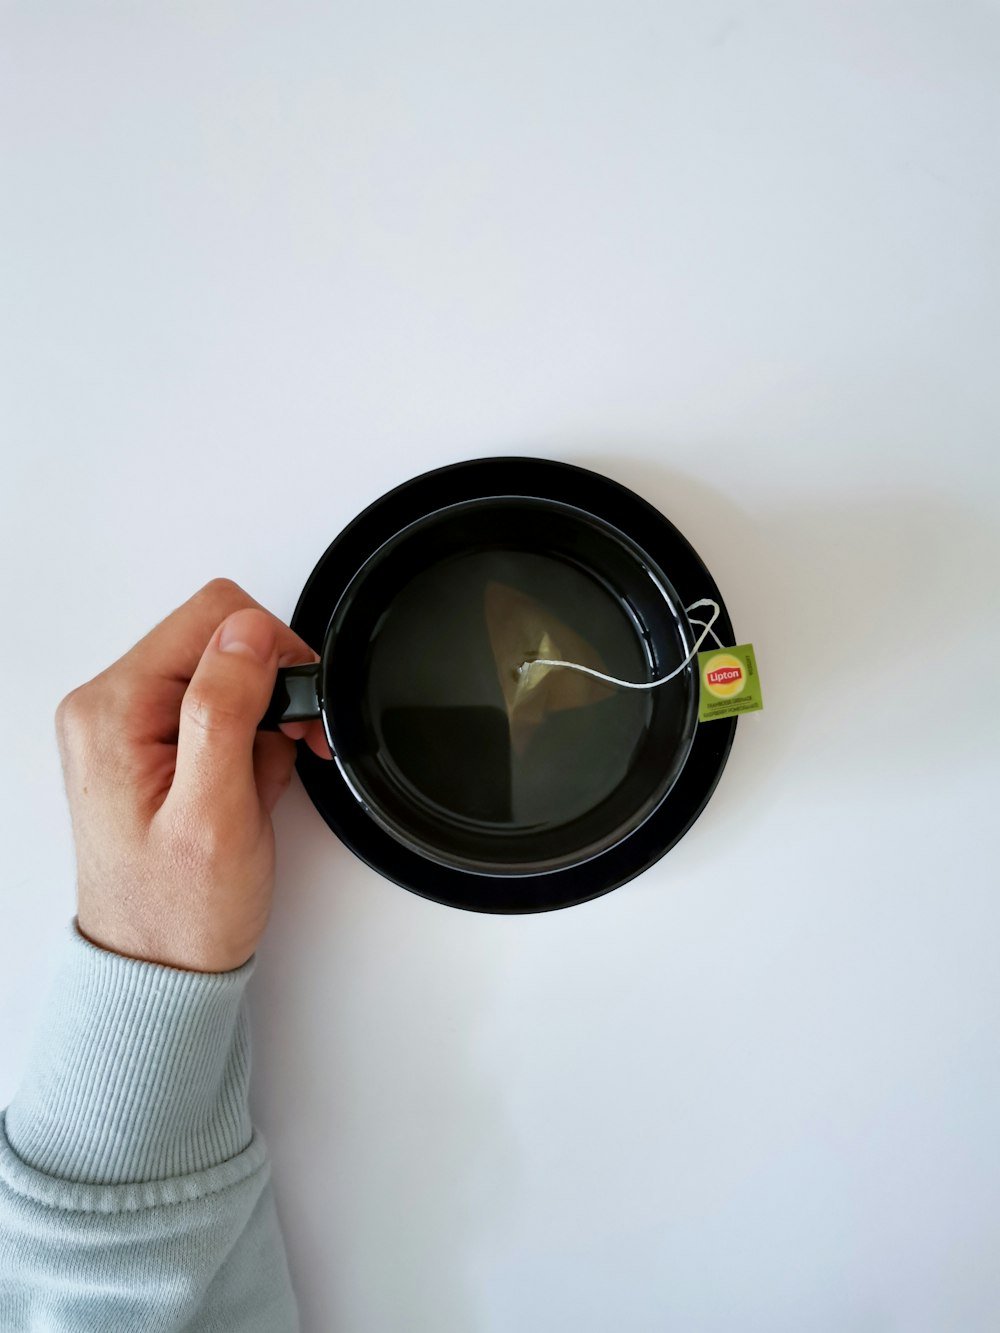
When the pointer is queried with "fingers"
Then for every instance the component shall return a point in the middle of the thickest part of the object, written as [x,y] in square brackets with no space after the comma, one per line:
[175,646]
[315,738]
[310,732]
[226,698]
[273,764]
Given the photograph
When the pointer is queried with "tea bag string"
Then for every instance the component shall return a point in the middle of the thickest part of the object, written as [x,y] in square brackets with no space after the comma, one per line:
[707,629]
[708,626]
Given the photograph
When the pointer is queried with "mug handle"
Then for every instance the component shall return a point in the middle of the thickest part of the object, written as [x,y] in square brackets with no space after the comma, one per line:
[295,697]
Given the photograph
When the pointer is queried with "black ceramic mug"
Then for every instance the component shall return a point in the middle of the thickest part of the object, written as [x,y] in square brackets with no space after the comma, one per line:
[436,782]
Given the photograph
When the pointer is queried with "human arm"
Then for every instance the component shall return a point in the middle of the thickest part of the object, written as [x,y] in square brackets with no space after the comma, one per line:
[134,1192]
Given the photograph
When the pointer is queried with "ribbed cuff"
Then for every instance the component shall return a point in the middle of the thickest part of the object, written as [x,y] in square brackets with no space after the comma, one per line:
[140,1072]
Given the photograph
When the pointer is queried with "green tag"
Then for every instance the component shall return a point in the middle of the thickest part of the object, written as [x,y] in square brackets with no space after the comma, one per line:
[729,683]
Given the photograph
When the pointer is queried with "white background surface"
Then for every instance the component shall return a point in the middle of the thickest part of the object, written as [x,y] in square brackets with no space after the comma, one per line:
[261,262]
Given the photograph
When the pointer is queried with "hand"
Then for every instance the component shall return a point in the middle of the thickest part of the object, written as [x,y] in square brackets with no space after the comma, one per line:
[171,786]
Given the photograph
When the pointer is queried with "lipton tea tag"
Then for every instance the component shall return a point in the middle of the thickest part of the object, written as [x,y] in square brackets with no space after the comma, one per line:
[730,684]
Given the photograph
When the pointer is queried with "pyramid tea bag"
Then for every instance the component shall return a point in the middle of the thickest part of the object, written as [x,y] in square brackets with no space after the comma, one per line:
[521,629]
[457,725]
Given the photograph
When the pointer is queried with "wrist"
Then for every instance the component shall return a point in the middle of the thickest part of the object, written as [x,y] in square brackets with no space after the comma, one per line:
[143,942]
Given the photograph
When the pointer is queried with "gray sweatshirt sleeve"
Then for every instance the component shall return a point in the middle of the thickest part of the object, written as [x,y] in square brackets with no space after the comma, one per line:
[134,1192]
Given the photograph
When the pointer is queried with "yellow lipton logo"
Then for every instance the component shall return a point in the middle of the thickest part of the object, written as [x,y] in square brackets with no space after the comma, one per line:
[724,675]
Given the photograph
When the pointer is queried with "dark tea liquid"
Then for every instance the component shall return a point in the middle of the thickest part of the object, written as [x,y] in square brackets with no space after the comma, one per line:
[437,711]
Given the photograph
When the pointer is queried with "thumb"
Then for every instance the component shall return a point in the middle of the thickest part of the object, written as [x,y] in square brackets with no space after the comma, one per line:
[226,698]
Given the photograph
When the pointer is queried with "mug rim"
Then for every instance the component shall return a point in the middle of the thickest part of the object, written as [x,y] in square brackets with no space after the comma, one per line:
[650,530]
[486,865]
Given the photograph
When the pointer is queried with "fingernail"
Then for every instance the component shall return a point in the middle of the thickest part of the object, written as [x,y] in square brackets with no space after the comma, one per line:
[248,632]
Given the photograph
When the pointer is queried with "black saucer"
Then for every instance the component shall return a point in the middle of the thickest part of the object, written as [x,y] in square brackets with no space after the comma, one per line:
[647,529]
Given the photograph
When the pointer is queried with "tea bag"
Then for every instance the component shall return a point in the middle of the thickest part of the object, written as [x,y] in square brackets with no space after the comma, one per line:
[520,630]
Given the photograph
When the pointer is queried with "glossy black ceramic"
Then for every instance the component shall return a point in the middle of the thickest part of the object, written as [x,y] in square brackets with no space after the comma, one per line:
[533,505]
